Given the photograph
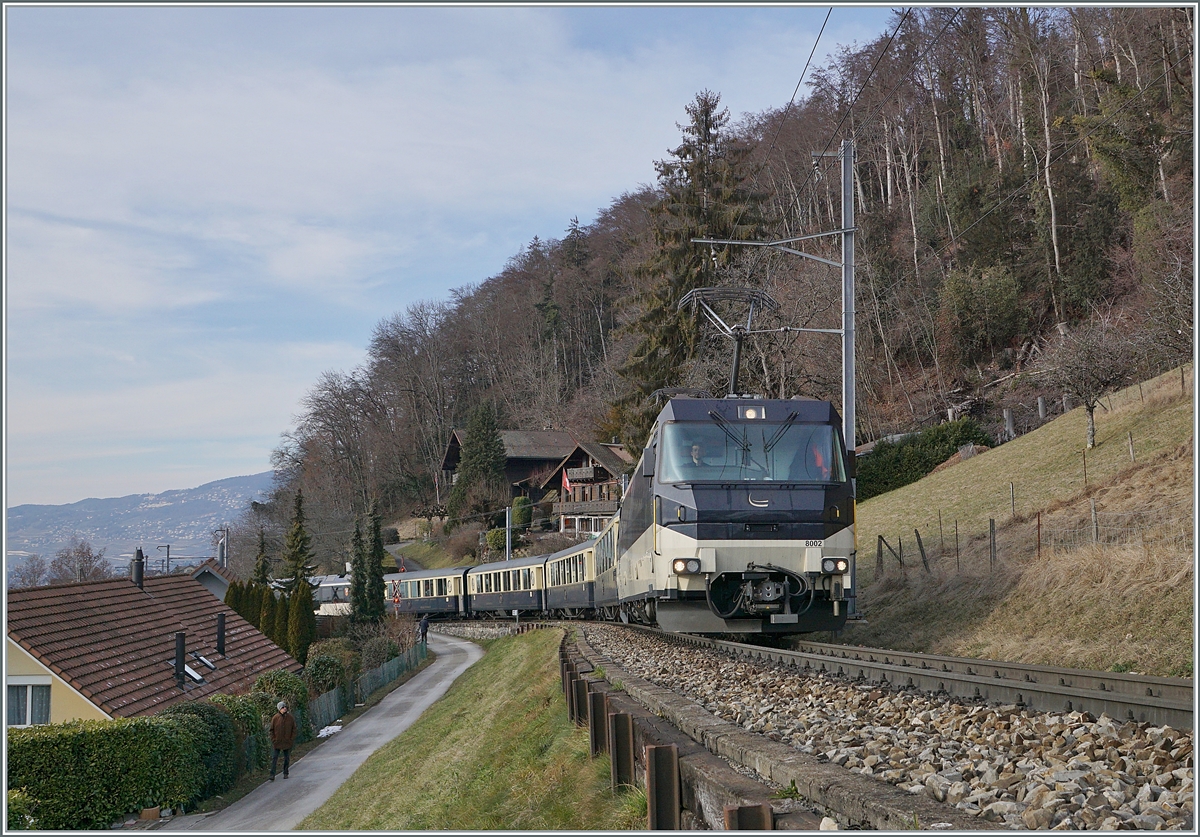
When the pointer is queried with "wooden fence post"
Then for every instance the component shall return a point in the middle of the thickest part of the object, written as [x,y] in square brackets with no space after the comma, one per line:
[921,547]
[992,538]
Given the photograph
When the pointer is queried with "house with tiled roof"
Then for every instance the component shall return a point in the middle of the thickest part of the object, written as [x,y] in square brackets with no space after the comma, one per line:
[215,578]
[588,480]
[528,455]
[117,649]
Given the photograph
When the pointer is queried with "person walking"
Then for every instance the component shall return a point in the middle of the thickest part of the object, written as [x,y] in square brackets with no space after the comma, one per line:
[283,736]
[424,627]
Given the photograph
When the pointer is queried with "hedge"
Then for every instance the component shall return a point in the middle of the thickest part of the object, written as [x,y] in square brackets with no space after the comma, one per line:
[22,811]
[249,720]
[892,465]
[88,774]
[218,746]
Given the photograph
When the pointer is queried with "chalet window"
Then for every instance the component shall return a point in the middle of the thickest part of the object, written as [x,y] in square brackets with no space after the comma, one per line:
[28,704]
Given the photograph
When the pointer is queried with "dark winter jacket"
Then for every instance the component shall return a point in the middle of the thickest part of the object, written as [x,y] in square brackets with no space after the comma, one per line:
[283,730]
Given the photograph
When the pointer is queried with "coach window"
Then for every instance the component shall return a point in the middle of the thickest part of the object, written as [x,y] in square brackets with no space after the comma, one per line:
[427,587]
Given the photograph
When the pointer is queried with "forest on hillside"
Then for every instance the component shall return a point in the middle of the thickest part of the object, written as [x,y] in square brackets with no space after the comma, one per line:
[1020,173]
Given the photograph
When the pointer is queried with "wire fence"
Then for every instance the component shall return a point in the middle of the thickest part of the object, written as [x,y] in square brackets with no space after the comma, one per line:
[1169,526]
[327,708]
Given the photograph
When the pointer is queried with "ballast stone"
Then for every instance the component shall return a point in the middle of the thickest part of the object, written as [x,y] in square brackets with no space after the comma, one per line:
[1058,763]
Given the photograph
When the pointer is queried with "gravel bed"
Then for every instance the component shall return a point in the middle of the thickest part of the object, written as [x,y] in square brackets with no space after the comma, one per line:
[1009,765]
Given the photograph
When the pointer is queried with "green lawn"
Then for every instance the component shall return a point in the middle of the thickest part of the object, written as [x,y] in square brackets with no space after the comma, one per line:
[497,752]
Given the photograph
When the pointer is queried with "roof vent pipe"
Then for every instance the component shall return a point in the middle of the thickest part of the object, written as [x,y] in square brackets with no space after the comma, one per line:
[180,650]
[221,634]
[137,568]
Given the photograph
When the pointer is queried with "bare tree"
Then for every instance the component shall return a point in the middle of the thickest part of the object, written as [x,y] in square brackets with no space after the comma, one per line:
[79,562]
[29,573]
[1088,363]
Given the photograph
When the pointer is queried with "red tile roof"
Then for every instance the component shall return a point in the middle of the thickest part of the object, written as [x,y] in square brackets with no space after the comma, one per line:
[214,566]
[115,643]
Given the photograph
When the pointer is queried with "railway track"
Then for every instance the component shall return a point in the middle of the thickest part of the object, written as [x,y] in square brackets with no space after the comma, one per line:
[1158,701]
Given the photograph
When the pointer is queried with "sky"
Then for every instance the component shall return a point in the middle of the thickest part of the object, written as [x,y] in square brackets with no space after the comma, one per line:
[208,207]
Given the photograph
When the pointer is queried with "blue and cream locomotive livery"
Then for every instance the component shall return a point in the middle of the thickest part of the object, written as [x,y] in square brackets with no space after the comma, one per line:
[738,518]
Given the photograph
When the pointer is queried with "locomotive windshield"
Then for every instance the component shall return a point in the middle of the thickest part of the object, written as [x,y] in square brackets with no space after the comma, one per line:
[736,451]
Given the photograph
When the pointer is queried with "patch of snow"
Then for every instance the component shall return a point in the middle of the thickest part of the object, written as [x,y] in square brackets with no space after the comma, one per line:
[329,730]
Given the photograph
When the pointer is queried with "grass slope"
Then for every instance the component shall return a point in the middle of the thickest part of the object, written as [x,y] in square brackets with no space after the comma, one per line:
[1105,606]
[428,555]
[497,752]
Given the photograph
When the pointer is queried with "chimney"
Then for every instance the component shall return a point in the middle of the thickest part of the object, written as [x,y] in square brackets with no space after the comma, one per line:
[180,650]
[221,634]
[137,568]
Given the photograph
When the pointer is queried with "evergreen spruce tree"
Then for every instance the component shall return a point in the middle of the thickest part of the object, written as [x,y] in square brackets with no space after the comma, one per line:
[480,484]
[279,631]
[376,608]
[302,622]
[262,564]
[358,576]
[298,563]
[266,612]
[705,195]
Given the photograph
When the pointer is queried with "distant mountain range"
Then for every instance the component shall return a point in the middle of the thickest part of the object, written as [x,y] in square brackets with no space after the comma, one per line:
[184,518]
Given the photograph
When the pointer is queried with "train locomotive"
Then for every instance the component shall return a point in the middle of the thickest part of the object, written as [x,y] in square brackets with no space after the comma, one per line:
[738,518]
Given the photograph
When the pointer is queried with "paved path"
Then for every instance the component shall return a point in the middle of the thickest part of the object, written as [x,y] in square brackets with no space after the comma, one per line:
[280,805]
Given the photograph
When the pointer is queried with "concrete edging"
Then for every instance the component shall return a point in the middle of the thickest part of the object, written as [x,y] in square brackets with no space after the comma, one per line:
[850,798]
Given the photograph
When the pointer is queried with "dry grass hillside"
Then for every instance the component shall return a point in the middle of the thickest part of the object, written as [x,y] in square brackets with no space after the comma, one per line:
[1109,591]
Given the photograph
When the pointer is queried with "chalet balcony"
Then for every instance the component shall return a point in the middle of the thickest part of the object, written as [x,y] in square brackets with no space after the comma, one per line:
[590,473]
[585,507]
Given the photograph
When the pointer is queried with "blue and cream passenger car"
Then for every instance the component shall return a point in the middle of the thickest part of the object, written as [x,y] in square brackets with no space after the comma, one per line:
[503,587]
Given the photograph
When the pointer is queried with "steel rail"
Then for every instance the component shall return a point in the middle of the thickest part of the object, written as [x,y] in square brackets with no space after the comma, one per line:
[1158,701]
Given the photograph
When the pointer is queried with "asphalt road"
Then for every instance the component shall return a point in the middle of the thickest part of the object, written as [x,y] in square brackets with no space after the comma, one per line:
[282,804]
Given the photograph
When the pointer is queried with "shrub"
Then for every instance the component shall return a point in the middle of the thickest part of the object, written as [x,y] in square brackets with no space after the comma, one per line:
[377,651]
[86,774]
[22,811]
[894,464]
[391,535]
[283,685]
[496,539]
[218,746]
[341,648]
[249,720]
[324,673]
[464,543]
[522,511]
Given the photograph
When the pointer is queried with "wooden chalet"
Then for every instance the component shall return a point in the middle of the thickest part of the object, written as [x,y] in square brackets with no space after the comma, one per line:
[589,482]
[529,454]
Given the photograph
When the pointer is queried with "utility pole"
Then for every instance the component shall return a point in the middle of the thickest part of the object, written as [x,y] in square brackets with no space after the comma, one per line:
[846,265]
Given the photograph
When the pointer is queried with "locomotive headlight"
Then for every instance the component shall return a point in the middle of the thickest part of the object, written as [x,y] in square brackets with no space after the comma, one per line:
[686,566]
[752,413]
[834,565]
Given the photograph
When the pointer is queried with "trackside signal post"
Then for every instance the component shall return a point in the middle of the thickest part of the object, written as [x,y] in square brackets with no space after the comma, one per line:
[846,155]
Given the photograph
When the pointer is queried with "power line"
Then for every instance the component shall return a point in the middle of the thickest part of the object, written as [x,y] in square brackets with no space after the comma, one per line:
[850,107]
[803,72]
[916,61]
